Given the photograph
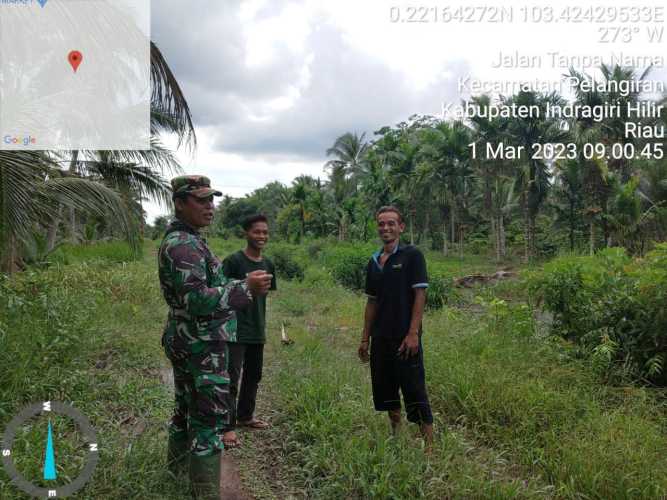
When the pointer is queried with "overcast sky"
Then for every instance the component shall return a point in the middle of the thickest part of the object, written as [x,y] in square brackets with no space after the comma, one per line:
[272,83]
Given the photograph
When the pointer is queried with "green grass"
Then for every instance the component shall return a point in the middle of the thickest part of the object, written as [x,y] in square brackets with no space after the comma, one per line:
[109,251]
[89,334]
[516,415]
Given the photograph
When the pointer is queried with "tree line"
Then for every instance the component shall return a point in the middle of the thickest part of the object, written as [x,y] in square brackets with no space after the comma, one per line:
[452,199]
[455,200]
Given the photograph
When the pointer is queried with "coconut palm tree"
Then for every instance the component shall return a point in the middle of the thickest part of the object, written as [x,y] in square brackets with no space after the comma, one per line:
[349,151]
[32,188]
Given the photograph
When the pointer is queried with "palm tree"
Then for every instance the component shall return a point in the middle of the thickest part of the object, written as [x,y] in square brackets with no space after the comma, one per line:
[300,190]
[445,173]
[349,151]
[569,185]
[402,177]
[31,190]
[504,202]
[598,171]
[533,176]
[491,174]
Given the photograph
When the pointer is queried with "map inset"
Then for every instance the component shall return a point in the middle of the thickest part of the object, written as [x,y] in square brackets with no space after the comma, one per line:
[74,74]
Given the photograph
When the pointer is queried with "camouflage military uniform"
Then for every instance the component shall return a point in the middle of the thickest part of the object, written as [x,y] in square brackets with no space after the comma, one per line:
[201,320]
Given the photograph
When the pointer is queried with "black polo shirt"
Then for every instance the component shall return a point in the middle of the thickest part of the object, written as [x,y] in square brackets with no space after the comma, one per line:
[393,288]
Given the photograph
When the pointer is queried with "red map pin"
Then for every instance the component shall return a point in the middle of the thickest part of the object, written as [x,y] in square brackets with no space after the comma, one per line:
[75,57]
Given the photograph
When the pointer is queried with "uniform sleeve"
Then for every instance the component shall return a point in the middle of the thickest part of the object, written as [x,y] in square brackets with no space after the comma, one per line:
[370,288]
[188,270]
[418,275]
[272,270]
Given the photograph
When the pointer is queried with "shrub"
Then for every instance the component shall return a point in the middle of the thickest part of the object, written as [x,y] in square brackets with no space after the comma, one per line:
[284,258]
[316,276]
[314,248]
[612,308]
[347,264]
[440,291]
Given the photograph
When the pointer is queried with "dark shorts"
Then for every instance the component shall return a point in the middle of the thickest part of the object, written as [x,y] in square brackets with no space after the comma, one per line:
[389,373]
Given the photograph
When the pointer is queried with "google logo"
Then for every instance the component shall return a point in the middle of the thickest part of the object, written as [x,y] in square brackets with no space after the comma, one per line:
[26,141]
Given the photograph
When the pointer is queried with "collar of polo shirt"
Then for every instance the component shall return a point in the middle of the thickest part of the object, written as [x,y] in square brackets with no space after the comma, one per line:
[376,255]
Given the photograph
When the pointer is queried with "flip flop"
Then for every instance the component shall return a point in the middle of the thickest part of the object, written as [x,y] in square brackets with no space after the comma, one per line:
[254,424]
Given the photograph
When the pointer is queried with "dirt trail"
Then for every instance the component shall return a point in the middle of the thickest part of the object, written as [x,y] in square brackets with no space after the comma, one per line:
[231,486]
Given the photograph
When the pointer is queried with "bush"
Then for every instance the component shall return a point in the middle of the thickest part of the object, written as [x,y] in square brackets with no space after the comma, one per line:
[317,276]
[347,264]
[314,248]
[612,308]
[440,291]
[284,258]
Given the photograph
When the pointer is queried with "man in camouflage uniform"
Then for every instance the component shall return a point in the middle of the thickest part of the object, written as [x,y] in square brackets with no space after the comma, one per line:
[201,320]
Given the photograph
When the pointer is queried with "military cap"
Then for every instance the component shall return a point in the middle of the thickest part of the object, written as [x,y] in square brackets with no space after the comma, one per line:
[196,185]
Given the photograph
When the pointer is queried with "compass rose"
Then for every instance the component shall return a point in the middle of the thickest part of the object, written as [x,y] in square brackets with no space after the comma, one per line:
[49,470]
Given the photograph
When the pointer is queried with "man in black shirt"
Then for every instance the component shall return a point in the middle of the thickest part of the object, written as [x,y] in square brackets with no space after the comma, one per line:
[396,283]
[246,354]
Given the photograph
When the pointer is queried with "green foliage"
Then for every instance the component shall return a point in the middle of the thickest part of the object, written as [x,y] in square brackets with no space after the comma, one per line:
[502,316]
[108,251]
[288,223]
[315,247]
[612,308]
[440,291]
[283,256]
[317,276]
[347,264]
[88,333]
[515,416]
[234,214]
[157,230]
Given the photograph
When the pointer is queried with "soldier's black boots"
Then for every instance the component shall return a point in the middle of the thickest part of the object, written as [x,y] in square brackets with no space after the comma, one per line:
[205,477]
[177,455]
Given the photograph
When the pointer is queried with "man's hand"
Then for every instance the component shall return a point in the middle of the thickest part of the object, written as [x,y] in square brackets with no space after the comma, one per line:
[363,351]
[409,346]
[259,282]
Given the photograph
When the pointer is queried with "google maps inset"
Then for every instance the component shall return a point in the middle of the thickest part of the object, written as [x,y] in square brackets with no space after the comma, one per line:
[74,74]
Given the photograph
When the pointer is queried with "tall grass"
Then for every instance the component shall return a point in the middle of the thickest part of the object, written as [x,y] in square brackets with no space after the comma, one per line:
[89,334]
[107,251]
[516,415]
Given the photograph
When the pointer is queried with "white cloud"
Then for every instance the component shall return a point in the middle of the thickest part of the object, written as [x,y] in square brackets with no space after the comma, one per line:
[271,84]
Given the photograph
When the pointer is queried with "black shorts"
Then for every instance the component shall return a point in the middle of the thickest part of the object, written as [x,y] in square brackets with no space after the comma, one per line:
[389,372]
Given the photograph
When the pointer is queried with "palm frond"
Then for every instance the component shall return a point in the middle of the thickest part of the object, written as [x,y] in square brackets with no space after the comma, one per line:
[86,196]
[168,98]
[19,172]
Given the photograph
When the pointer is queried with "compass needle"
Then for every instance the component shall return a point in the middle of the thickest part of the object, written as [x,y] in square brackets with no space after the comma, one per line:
[49,458]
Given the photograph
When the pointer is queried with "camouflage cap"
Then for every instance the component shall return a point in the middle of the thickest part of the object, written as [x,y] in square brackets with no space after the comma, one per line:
[196,185]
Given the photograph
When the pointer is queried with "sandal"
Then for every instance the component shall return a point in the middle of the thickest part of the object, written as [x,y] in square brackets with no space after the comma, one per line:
[230,442]
[254,424]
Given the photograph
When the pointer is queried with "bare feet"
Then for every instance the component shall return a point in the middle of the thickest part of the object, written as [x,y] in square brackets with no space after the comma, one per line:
[395,420]
[230,440]
[254,423]
[427,434]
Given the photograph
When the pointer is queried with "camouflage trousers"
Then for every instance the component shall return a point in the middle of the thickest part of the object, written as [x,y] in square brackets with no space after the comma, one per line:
[201,384]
